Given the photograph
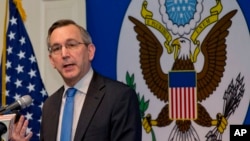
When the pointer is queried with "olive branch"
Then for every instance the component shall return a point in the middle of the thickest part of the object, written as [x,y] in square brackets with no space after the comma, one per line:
[143,105]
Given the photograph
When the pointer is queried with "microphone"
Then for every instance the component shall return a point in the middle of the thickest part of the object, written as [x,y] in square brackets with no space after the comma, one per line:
[9,116]
[21,103]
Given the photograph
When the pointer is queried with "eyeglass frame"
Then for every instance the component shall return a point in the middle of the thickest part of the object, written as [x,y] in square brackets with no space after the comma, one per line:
[67,45]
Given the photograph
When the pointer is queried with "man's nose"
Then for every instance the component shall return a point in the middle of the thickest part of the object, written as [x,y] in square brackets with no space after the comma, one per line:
[65,51]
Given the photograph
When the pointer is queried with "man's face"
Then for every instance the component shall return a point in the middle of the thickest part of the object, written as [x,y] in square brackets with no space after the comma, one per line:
[72,58]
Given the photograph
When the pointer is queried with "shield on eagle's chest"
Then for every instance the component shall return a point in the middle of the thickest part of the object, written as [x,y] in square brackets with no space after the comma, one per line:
[182,95]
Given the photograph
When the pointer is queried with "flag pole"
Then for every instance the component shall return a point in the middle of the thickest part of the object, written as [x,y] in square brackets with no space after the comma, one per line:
[18,4]
[4,56]
[20,9]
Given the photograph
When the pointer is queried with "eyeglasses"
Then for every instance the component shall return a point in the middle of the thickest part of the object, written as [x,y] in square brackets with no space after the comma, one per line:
[56,49]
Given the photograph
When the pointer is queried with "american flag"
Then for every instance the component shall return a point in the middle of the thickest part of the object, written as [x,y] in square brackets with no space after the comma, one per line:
[22,72]
[182,95]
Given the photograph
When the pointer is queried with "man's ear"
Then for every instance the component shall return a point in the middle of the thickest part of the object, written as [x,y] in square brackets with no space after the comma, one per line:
[51,61]
[91,50]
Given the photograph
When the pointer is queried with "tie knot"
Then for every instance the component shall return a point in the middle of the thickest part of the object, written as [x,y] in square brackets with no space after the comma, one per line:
[71,92]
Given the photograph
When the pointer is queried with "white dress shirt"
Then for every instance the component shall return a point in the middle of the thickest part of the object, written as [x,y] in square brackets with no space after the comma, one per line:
[82,88]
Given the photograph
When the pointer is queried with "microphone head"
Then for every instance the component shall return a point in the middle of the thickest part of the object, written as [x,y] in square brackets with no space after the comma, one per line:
[25,101]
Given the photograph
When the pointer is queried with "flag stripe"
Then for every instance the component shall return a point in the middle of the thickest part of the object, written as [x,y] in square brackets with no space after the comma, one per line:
[182,103]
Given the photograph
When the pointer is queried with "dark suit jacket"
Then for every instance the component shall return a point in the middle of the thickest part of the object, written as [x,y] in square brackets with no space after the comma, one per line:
[110,113]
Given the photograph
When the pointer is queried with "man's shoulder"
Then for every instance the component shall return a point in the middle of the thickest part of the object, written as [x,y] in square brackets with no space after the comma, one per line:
[57,94]
[108,81]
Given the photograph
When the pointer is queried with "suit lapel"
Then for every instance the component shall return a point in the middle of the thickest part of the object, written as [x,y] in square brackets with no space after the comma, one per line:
[93,98]
[54,111]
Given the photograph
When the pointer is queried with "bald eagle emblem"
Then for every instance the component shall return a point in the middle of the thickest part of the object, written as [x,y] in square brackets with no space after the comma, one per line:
[183,88]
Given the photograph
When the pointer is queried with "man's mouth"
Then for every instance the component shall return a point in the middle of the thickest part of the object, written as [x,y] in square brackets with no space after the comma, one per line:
[68,66]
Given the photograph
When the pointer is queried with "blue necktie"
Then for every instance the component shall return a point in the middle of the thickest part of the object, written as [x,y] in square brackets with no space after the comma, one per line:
[68,115]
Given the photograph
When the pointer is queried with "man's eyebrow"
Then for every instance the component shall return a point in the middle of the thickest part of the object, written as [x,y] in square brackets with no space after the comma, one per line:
[70,39]
[55,44]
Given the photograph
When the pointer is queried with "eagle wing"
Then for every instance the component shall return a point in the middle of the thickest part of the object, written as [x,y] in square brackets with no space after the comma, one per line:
[214,50]
[150,53]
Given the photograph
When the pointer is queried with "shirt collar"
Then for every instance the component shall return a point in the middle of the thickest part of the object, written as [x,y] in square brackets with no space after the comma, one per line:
[82,85]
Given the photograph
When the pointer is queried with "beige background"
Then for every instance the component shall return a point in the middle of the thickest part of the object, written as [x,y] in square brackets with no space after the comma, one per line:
[40,15]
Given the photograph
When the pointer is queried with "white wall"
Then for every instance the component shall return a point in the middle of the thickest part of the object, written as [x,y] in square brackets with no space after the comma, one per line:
[40,15]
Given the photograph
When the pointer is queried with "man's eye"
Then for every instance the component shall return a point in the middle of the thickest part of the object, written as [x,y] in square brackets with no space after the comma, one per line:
[71,44]
[55,48]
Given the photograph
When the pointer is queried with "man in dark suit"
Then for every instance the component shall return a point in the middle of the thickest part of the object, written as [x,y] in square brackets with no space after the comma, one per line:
[104,109]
